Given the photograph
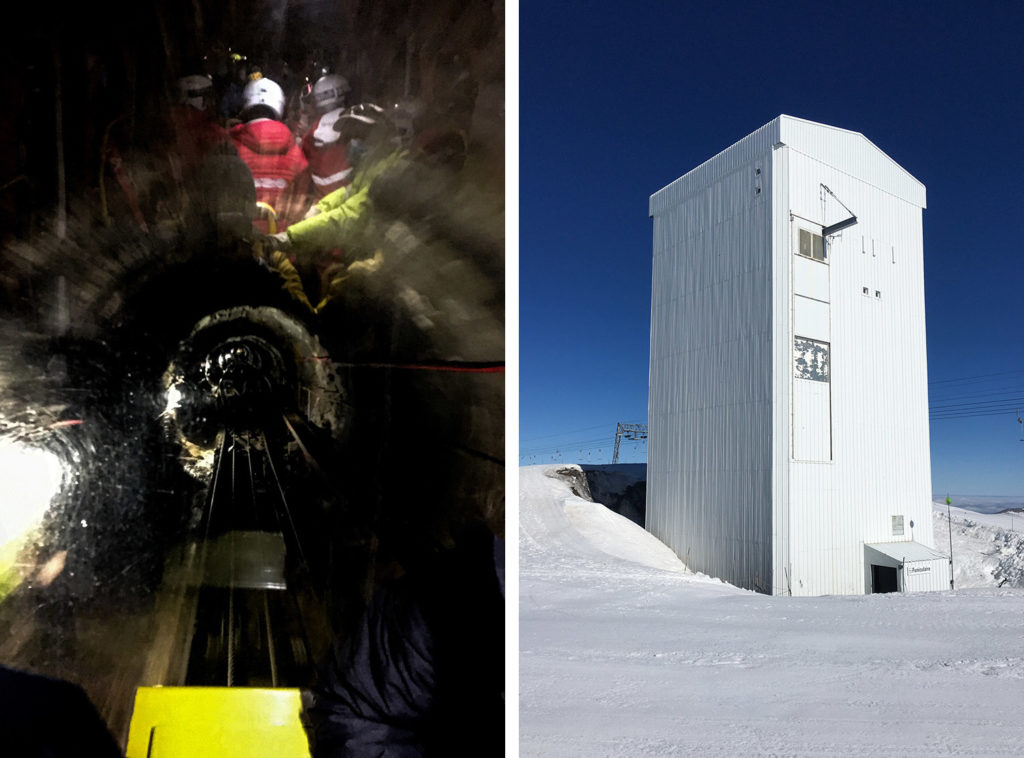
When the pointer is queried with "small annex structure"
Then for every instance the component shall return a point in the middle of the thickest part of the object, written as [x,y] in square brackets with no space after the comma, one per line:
[788,423]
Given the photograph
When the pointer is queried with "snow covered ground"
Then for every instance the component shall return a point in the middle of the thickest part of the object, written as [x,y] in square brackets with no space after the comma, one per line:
[988,548]
[623,652]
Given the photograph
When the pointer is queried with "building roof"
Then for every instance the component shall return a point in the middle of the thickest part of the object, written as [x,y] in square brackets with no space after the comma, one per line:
[845,150]
[907,552]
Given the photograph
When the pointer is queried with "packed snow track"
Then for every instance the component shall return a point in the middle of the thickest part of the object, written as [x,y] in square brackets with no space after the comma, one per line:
[623,652]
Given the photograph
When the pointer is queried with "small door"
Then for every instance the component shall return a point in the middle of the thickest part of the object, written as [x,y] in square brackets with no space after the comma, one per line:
[883,579]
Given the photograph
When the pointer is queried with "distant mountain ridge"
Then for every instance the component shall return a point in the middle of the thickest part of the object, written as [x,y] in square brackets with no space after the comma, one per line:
[983,503]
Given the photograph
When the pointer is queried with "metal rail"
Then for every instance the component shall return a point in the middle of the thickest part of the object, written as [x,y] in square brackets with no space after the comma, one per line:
[251,610]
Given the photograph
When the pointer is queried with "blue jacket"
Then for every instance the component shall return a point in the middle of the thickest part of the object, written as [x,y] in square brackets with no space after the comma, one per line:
[424,675]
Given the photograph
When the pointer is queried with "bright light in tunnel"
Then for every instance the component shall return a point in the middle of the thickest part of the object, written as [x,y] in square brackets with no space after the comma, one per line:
[31,478]
[173,399]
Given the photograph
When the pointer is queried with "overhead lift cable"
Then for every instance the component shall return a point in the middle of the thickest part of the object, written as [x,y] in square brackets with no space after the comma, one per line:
[975,377]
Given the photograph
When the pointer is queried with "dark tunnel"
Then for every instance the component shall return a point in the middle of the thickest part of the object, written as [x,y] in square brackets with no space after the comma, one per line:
[216,452]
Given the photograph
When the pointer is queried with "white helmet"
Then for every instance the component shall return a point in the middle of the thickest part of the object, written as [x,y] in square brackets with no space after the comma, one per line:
[266,93]
[195,90]
[329,92]
[364,113]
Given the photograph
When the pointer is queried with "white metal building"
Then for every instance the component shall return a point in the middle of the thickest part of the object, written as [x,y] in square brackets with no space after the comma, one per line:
[788,420]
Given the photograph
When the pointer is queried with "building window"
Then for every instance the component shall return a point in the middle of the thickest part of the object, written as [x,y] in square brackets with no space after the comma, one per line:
[810,359]
[897,526]
[811,245]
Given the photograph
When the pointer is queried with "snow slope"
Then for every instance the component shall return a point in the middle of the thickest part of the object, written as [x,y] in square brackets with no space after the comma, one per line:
[623,652]
[988,548]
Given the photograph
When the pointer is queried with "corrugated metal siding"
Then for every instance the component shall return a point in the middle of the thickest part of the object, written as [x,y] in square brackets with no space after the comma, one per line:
[926,576]
[748,151]
[853,154]
[918,571]
[709,464]
[880,451]
[812,424]
[720,447]
[782,364]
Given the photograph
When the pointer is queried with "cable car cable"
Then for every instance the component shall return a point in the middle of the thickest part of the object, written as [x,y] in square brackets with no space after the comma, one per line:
[284,502]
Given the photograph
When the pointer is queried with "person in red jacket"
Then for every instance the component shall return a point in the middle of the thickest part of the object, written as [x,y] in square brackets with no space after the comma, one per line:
[267,146]
[196,131]
[329,168]
[194,137]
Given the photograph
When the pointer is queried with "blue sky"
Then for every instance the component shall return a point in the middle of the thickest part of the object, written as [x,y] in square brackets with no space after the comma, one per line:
[617,100]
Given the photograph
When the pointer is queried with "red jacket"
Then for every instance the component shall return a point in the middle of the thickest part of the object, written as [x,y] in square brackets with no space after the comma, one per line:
[196,135]
[277,165]
[329,168]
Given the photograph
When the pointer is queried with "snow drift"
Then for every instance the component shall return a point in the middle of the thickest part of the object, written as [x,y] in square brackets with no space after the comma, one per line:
[624,652]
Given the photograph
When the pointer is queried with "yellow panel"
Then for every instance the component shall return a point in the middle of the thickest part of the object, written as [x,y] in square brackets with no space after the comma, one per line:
[226,722]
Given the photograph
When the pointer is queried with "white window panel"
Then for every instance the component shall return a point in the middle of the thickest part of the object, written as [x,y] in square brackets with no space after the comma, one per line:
[811,360]
[897,526]
[810,278]
[811,318]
